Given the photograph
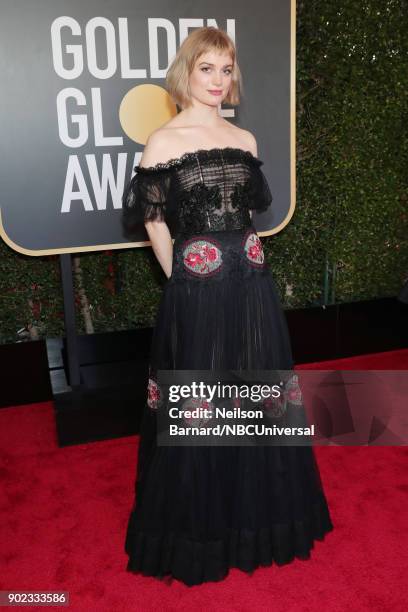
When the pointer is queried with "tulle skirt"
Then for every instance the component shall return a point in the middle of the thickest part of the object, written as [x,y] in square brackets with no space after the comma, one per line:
[200,510]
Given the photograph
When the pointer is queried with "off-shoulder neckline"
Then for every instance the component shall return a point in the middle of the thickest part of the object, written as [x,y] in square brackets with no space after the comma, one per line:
[228,152]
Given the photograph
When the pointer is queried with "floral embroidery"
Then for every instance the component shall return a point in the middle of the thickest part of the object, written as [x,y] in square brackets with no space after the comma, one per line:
[293,392]
[197,411]
[243,195]
[202,257]
[275,407]
[236,402]
[253,249]
[198,208]
[153,394]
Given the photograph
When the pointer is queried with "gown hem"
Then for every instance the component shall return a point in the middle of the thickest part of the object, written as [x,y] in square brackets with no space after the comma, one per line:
[171,555]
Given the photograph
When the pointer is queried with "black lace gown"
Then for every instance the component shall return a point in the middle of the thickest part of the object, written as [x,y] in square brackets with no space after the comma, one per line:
[200,510]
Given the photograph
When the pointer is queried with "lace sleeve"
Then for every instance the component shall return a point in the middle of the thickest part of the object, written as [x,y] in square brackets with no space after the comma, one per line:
[145,198]
[262,196]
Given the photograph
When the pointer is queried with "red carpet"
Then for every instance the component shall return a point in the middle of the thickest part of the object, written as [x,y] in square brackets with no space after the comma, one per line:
[64,514]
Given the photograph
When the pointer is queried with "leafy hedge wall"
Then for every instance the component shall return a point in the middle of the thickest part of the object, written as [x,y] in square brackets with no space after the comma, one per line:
[348,239]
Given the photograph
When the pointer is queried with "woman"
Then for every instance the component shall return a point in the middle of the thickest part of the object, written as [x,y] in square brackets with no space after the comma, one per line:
[201,510]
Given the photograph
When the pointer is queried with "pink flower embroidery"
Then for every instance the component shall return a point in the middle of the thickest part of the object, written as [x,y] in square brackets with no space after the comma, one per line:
[236,402]
[194,259]
[153,394]
[253,249]
[202,257]
[274,407]
[197,411]
[211,253]
[293,392]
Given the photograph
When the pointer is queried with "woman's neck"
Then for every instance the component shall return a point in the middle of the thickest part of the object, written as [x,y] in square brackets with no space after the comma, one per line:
[205,116]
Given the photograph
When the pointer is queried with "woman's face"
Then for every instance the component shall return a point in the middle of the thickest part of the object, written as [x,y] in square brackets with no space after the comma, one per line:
[211,78]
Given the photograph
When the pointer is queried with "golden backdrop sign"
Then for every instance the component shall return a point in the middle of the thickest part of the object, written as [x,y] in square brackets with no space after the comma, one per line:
[83,86]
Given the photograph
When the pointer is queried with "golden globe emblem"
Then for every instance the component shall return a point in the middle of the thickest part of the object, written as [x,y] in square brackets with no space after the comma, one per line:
[143,109]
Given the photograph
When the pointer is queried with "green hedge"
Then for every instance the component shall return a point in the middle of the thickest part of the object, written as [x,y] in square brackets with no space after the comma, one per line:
[348,239]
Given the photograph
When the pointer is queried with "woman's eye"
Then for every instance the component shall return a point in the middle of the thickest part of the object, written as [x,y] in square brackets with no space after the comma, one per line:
[227,70]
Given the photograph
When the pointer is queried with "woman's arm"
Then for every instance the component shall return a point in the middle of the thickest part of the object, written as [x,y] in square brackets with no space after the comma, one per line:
[253,147]
[162,244]
[158,231]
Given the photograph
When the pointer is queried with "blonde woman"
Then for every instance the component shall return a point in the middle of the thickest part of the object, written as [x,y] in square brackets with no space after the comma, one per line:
[201,510]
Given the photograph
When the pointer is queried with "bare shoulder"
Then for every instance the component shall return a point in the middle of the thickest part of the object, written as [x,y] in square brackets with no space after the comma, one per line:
[158,148]
[244,138]
[249,141]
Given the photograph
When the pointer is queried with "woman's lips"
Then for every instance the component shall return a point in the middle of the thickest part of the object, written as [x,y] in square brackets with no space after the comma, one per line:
[215,92]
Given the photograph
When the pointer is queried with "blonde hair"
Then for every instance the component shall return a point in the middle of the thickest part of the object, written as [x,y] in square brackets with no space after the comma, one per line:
[198,42]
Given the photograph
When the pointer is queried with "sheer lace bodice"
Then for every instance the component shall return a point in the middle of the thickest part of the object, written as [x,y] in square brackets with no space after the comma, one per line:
[207,190]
